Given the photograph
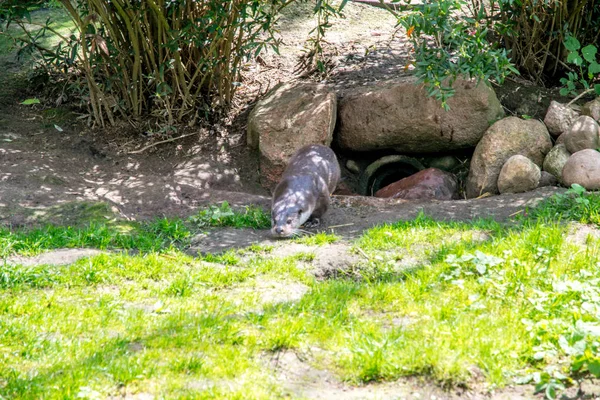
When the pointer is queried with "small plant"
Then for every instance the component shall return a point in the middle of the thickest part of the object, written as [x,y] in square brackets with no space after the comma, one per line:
[575,204]
[587,74]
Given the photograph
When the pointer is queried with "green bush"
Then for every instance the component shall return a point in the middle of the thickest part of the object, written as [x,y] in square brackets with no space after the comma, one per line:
[449,44]
[489,40]
[176,58]
[587,69]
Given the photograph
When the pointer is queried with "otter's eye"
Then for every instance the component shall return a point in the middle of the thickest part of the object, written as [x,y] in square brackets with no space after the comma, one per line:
[299,212]
[289,221]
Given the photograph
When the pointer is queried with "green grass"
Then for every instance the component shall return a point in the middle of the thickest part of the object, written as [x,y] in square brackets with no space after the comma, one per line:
[516,302]
[225,216]
[574,205]
[158,235]
[318,239]
[97,228]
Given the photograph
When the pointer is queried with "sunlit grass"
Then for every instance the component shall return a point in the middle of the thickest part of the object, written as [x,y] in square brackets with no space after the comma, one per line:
[478,299]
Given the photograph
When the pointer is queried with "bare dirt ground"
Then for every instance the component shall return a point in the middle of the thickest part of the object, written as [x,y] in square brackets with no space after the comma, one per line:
[49,159]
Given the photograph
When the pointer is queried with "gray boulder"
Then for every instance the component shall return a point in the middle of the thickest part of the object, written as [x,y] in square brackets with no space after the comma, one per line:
[399,115]
[508,137]
[290,116]
[430,183]
[592,109]
[583,168]
[556,159]
[584,133]
[518,174]
[547,179]
[559,118]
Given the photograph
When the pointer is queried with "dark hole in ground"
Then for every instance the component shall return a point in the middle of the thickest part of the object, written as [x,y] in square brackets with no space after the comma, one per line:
[389,174]
[387,170]
[366,173]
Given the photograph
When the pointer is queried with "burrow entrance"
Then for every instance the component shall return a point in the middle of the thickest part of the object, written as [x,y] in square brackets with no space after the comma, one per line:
[366,173]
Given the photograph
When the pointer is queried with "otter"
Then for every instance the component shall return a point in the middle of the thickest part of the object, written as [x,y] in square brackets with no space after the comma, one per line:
[303,194]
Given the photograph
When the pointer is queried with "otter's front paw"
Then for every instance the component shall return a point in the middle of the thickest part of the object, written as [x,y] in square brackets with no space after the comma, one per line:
[312,223]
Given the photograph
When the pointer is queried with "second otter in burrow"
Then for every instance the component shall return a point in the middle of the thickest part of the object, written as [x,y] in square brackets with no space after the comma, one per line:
[303,194]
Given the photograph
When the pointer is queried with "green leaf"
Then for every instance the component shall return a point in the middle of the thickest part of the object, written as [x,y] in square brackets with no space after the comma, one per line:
[577,189]
[481,268]
[551,392]
[29,102]
[597,88]
[575,58]
[578,363]
[594,68]
[594,367]
[572,44]
[522,380]
[564,91]
[589,53]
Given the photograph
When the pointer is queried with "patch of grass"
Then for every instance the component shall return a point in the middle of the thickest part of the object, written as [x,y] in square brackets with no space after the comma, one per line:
[318,239]
[95,225]
[224,215]
[146,237]
[465,309]
[305,257]
[228,258]
[259,249]
[157,323]
[574,205]
[517,302]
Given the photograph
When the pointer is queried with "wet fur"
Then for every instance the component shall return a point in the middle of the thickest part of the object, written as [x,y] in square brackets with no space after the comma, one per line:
[306,184]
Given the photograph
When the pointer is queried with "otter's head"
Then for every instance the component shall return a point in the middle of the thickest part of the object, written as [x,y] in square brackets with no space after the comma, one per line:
[286,221]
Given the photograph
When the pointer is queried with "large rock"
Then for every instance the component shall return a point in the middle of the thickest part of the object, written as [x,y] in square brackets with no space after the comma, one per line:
[584,133]
[398,114]
[583,168]
[547,179]
[431,183]
[556,159]
[559,118]
[290,116]
[518,174]
[592,109]
[506,138]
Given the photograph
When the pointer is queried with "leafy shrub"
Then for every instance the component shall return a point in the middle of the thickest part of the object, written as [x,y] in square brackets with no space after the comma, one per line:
[475,39]
[449,44]
[177,60]
[588,68]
